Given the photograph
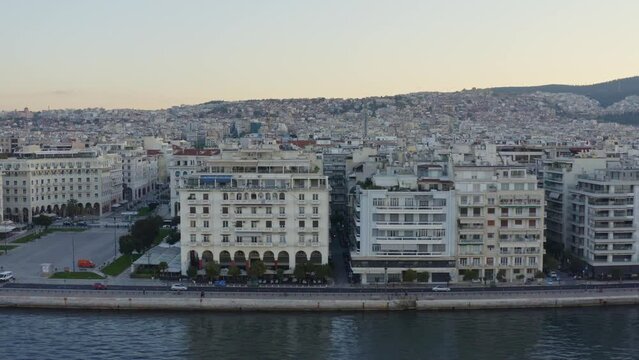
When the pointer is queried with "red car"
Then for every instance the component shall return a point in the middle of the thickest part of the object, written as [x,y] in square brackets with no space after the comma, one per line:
[99,286]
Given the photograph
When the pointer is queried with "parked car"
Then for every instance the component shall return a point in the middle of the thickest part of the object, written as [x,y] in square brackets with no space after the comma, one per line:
[84,263]
[7,276]
[81,223]
[99,286]
[220,283]
[439,288]
[178,287]
[67,223]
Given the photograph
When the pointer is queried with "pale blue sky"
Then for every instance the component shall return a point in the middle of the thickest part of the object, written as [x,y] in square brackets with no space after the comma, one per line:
[154,53]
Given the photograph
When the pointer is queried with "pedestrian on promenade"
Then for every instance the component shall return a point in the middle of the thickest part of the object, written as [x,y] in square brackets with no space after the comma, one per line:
[201,294]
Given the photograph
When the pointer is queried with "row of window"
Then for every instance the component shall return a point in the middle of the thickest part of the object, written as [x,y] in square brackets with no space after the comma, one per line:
[253,210]
[54,197]
[254,224]
[268,239]
[504,261]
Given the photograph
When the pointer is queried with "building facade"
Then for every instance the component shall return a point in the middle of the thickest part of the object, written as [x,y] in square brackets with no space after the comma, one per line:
[500,222]
[398,225]
[604,221]
[255,204]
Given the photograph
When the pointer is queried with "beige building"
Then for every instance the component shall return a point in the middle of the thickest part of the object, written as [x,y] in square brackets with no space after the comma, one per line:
[500,223]
[255,204]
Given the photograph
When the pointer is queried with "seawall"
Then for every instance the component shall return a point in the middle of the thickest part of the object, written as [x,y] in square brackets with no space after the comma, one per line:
[238,304]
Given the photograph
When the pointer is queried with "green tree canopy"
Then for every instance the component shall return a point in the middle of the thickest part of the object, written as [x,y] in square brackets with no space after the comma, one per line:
[43,220]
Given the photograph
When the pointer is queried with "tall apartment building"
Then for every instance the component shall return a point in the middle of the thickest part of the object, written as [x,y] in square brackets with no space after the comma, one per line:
[139,173]
[335,165]
[182,163]
[402,223]
[255,204]
[500,225]
[37,181]
[604,221]
[559,176]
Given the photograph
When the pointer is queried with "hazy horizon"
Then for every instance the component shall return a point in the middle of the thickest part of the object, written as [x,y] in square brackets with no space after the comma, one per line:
[157,54]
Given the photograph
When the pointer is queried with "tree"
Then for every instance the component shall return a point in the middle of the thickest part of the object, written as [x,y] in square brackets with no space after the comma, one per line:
[257,269]
[127,244]
[501,275]
[234,272]
[43,220]
[423,276]
[162,266]
[617,274]
[174,237]
[280,274]
[550,263]
[191,272]
[72,208]
[540,275]
[470,275]
[300,271]
[175,221]
[520,277]
[212,270]
[323,271]
[409,275]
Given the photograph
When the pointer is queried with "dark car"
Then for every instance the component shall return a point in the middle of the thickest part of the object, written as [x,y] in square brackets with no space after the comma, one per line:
[81,223]
[99,286]
[66,223]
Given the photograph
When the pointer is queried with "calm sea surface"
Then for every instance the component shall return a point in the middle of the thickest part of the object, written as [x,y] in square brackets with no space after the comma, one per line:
[595,333]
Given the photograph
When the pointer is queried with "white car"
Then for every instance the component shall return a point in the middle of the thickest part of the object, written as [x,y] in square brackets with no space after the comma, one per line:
[439,288]
[7,276]
[178,287]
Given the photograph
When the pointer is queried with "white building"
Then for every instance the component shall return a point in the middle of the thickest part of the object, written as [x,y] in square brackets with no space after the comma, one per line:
[399,224]
[604,221]
[255,204]
[37,181]
[182,163]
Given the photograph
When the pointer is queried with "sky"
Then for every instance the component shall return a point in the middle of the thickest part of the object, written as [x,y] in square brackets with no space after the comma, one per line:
[157,54]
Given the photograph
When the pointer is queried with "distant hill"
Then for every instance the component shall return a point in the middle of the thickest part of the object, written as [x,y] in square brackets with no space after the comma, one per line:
[606,93]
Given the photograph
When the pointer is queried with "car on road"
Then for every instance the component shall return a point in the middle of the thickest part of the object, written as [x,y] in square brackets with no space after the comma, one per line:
[99,286]
[178,287]
[7,276]
[84,263]
[439,288]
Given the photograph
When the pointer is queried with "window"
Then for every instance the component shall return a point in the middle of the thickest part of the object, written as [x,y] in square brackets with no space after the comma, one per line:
[302,223]
[491,222]
[504,223]
[532,223]
[315,238]
[205,223]
[532,212]
[206,238]
[254,239]
[269,224]
[269,239]
[532,261]
[301,239]
[192,223]
[206,196]
[518,222]
[301,210]
[282,224]
[491,211]
[394,202]
[192,210]
[225,224]
[269,211]
[238,210]
[315,210]
[519,186]
[225,238]
[301,196]
[518,261]
[253,210]
[191,196]
[519,211]
[205,210]
[254,224]
[463,261]
[315,224]
[282,210]
[225,210]
[238,224]
[504,187]
[503,261]
[193,238]
[225,196]
[315,196]
[282,239]
[238,239]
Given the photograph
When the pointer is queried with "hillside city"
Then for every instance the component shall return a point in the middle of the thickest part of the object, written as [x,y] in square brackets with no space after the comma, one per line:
[472,186]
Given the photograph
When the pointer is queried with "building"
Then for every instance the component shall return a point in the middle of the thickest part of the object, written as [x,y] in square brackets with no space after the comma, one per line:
[184,162]
[139,174]
[500,222]
[335,164]
[255,204]
[559,176]
[400,224]
[37,181]
[604,220]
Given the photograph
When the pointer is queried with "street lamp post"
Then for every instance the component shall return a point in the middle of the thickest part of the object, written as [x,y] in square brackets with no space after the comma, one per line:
[115,239]
[73,251]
